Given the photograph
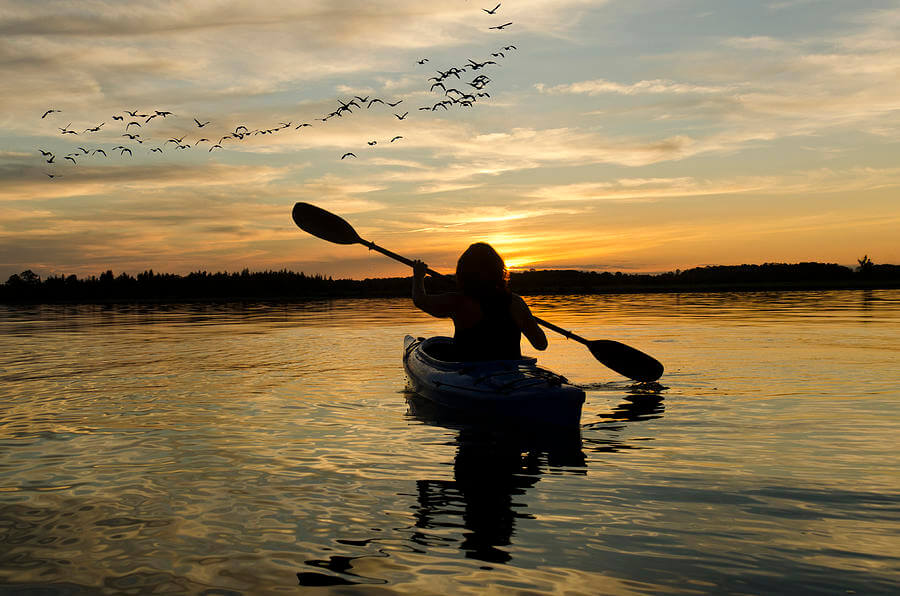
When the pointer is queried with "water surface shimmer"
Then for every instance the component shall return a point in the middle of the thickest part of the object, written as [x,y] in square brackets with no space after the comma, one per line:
[268,448]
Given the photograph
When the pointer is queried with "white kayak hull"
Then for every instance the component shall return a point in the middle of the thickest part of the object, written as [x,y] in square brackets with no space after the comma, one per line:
[496,389]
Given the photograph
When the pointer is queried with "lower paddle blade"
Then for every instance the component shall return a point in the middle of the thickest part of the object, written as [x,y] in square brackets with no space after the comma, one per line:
[324,224]
[626,360]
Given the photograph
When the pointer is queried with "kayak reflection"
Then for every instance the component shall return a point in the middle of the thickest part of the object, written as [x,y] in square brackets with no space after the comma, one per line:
[491,468]
[495,463]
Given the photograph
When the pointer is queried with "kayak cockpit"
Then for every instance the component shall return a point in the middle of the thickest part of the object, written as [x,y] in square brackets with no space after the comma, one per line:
[440,349]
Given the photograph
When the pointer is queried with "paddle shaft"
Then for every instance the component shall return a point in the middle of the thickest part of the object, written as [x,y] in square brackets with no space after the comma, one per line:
[561,331]
[404,260]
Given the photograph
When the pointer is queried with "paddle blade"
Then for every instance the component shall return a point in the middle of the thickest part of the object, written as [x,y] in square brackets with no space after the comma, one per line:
[626,360]
[324,224]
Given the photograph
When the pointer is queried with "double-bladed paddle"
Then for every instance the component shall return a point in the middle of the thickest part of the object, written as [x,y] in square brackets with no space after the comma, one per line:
[623,359]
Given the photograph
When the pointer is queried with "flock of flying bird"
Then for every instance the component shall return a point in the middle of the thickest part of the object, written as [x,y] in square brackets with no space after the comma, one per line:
[452,89]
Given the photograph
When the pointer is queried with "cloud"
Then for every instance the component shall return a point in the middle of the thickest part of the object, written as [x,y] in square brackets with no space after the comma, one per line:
[642,190]
[757,42]
[799,85]
[656,86]
[340,195]
[30,184]
[526,148]
[489,214]
[820,181]
[101,53]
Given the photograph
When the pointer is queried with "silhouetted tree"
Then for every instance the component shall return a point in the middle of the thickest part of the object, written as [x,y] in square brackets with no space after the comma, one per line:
[865,266]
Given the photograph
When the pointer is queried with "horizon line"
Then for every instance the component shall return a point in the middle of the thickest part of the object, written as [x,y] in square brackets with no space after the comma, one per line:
[517,270]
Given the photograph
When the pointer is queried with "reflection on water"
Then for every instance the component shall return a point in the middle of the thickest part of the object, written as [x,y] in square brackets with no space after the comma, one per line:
[246,448]
[492,466]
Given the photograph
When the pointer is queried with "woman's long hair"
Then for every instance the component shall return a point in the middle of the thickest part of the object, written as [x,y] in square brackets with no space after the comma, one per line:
[481,273]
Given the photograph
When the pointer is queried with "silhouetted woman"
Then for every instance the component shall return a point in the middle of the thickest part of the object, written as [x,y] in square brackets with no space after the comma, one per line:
[488,319]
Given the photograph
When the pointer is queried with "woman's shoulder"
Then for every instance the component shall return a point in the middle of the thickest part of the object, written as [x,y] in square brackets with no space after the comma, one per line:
[517,301]
[519,309]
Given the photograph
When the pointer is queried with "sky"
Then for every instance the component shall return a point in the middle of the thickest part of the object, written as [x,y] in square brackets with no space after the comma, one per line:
[634,136]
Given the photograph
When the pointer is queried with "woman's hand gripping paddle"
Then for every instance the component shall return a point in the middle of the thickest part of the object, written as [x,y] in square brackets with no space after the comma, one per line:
[623,359]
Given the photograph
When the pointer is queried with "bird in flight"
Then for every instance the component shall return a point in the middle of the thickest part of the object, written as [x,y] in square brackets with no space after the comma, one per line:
[96,151]
[422,61]
[124,149]
[399,117]
[49,175]
[44,153]
[348,154]
[395,138]
[157,149]
[476,65]
[118,117]
[299,126]
[96,128]
[138,124]
[48,112]
[70,158]
[201,124]
[66,130]
[491,11]
[370,143]
[501,27]
[396,103]
[216,146]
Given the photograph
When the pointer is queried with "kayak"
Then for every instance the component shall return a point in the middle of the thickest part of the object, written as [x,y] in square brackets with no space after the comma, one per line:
[504,389]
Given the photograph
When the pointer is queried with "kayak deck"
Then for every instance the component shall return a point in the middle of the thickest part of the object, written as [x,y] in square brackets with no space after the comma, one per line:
[491,389]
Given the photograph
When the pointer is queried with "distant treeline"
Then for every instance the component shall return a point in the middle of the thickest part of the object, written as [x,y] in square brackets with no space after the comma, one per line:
[28,287]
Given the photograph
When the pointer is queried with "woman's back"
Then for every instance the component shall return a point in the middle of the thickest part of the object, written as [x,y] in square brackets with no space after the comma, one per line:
[486,330]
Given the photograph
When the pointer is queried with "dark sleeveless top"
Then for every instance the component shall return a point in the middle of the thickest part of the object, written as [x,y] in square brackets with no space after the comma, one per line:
[495,337]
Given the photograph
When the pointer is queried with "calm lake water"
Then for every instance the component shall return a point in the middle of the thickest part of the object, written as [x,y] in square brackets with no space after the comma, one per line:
[268,448]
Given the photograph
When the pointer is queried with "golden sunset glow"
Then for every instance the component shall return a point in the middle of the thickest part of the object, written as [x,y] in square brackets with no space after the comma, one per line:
[519,263]
[607,136]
